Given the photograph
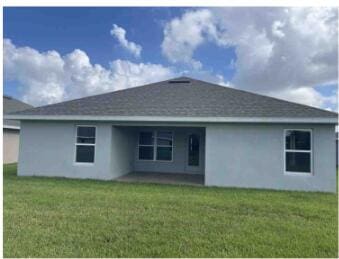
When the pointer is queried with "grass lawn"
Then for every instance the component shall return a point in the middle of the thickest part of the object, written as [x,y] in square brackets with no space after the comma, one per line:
[46,217]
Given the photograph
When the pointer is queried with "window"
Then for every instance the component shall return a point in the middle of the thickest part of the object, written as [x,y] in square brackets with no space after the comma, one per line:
[164,145]
[298,151]
[146,145]
[85,144]
[155,145]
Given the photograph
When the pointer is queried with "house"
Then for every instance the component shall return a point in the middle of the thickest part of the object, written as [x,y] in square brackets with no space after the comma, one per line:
[11,129]
[185,126]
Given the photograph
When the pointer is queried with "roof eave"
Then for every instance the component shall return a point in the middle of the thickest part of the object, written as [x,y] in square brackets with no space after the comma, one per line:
[317,120]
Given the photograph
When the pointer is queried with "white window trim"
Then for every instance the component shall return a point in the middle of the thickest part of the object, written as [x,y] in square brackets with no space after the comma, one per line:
[84,144]
[155,145]
[299,151]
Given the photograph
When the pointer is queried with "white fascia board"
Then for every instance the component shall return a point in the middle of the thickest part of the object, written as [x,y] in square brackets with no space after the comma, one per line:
[11,127]
[173,119]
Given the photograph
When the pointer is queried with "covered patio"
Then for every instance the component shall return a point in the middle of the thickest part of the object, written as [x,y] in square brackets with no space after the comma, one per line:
[159,154]
[163,178]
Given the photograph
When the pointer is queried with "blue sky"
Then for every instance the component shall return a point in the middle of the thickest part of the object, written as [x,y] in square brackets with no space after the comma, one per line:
[216,44]
[66,29]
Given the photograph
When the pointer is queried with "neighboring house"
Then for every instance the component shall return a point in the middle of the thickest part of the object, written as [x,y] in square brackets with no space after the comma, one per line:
[234,138]
[11,129]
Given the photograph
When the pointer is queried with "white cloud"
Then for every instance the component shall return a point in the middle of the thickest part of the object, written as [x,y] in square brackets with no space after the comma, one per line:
[48,77]
[305,56]
[282,52]
[120,34]
[40,71]
[277,29]
[183,35]
[279,50]
[126,74]
[306,95]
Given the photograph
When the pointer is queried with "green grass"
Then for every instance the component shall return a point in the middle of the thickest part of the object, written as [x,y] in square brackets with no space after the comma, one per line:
[47,217]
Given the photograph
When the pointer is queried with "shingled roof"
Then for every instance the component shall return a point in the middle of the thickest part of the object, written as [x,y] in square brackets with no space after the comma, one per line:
[181,97]
[11,105]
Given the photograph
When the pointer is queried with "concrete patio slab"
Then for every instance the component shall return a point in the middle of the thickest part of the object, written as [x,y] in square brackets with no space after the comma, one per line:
[164,178]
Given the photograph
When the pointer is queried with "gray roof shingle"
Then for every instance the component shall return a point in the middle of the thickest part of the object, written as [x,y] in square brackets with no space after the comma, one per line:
[11,105]
[188,98]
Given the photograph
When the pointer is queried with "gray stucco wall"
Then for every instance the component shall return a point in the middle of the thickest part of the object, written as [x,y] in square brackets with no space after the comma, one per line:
[123,139]
[248,155]
[239,155]
[48,149]
[10,145]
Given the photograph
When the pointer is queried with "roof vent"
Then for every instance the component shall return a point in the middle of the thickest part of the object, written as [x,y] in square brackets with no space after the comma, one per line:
[179,82]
